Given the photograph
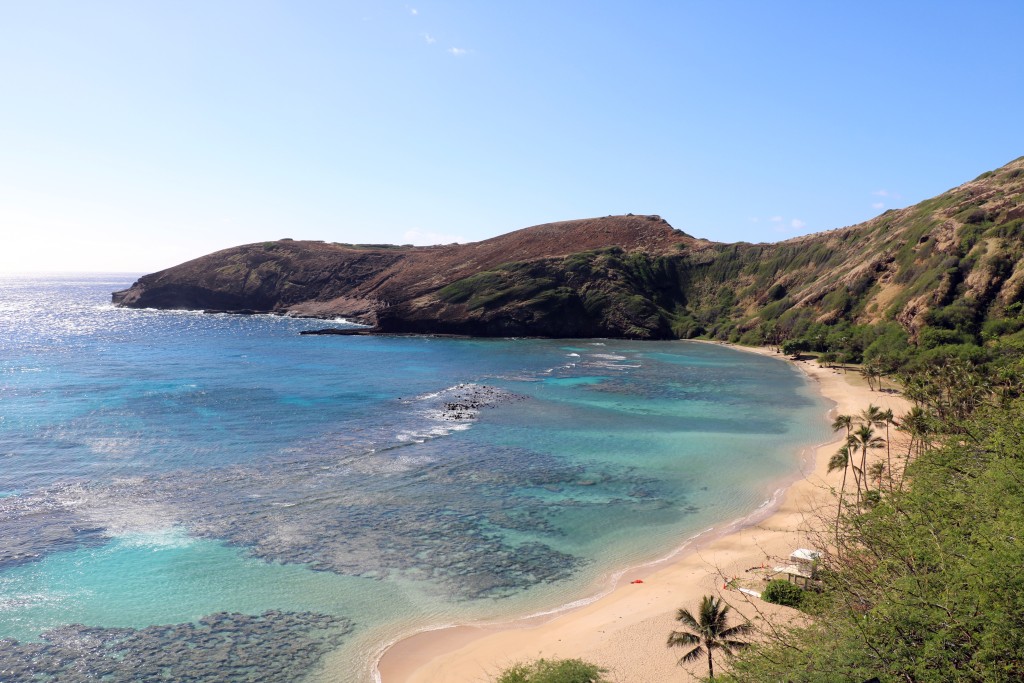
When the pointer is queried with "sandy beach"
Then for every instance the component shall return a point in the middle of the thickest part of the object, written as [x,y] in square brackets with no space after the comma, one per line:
[625,630]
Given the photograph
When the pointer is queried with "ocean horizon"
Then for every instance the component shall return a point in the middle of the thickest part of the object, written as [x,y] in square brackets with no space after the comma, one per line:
[217,496]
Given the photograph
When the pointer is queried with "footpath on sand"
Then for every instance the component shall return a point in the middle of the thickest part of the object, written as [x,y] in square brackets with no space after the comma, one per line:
[626,629]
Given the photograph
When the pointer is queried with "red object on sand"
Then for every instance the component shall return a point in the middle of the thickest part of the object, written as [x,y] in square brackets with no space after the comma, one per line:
[637,581]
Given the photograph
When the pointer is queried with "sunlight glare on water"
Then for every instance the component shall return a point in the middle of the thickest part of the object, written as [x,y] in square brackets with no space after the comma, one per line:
[179,480]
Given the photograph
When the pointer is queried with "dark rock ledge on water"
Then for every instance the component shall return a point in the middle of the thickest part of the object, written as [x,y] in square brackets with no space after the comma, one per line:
[342,331]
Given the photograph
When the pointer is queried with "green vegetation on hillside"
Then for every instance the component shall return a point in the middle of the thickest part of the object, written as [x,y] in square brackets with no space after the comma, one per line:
[925,581]
[638,293]
[945,275]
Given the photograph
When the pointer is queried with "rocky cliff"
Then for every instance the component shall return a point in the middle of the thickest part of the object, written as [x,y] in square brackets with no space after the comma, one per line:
[635,276]
[410,289]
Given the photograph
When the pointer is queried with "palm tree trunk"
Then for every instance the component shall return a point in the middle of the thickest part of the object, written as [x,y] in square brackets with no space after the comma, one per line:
[864,468]
[839,514]
[849,462]
[888,455]
[711,665]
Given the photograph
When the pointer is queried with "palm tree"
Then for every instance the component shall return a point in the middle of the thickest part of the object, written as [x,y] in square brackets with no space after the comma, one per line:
[889,419]
[870,371]
[864,438]
[876,417]
[841,459]
[847,422]
[915,423]
[843,421]
[877,470]
[872,415]
[708,631]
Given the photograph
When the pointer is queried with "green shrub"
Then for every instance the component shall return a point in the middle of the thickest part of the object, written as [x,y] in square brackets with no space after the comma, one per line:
[783,593]
[1001,326]
[553,671]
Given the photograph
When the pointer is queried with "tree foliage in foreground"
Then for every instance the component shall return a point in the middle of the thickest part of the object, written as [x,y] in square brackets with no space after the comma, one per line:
[553,671]
[928,584]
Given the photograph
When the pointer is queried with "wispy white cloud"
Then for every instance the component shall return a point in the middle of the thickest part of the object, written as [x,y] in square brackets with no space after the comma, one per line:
[429,38]
[776,219]
[797,224]
[878,205]
[413,11]
[881,193]
[422,238]
[458,51]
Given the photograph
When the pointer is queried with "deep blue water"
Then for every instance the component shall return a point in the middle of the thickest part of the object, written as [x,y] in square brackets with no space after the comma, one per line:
[224,486]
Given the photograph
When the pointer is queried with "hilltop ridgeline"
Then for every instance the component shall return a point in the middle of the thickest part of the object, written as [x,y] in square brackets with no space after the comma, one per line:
[950,263]
[415,289]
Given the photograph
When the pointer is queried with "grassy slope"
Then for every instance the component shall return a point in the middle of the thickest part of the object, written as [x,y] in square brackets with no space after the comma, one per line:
[953,263]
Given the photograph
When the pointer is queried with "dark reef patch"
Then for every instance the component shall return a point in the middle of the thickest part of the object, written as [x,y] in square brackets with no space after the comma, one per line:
[474,522]
[277,647]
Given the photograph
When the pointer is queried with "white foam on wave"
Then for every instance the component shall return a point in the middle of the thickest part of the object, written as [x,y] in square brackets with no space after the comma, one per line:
[608,356]
[349,323]
[115,511]
[169,312]
[25,600]
[433,431]
[158,539]
[607,365]
[452,409]
[115,446]
[380,464]
[20,369]
[519,378]
[574,355]
[448,390]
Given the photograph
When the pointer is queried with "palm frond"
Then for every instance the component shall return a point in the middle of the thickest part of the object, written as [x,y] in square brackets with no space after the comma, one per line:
[738,630]
[733,644]
[692,654]
[842,421]
[680,638]
[687,619]
[839,459]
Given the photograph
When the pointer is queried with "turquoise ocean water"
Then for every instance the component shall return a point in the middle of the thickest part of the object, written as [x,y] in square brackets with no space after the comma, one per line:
[217,498]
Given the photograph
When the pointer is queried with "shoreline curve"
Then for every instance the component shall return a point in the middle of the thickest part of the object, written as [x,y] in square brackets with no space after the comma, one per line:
[623,626]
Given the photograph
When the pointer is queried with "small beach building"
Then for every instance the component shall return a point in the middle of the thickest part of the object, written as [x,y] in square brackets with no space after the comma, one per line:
[802,567]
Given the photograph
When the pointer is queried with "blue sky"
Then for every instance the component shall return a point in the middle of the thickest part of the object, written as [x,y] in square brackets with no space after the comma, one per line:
[137,135]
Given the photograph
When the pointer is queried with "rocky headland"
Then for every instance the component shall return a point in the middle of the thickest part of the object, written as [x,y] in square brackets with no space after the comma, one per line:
[634,276]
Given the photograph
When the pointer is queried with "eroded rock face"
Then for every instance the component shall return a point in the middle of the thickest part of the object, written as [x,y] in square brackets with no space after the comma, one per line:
[632,276]
[269,277]
[399,286]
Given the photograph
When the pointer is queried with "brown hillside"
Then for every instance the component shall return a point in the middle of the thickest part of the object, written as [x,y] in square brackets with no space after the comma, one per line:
[636,276]
[326,280]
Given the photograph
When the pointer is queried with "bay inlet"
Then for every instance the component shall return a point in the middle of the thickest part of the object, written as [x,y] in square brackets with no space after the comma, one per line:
[212,481]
